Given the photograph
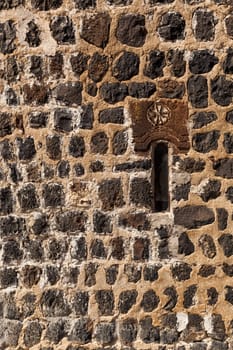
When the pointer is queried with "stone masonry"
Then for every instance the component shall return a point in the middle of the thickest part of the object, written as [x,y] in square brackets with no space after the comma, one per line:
[85,263]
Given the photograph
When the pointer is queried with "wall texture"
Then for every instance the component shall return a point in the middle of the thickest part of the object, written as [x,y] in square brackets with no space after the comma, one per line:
[85,263]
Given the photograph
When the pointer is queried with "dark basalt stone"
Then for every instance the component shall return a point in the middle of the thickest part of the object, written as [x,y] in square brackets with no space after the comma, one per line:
[229,294]
[118,251]
[79,169]
[12,225]
[79,252]
[228,269]
[96,166]
[56,249]
[202,61]
[133,272]
[128,329]
[206,141]
[191,165]
[176,61]
[79,63]
[90,271]
[229,25]
[53,195]
[229,116]
[53,304]
[95,29]
[185,245]
[148,332]
[85,4]
[229,194]
[120,142]
[14,173]
[105,300]
[219,345]
[28,198]
[141,192]
[12,69]
[226,242]
[77,146]
[228,142]
[211,190]
[198,91]
[63,120]
[154,64]
[201,119]
[35,95]
[171,89]
[112,115]
[224,167]
[63,168]
[9,4]
[81,331]
[12,252]
[87,117]
[38,119]
[6,201]
[149,301]
[36,67]
[205,22]
[137,221]
[141,90]
[218,331]
[69,94]
[8,30]
[11,97]
[32,333]
[189,295]
[98,67]
[127,299]
[80,303]
[222,215]
[53,147]
[182,192]
[56,65]
[126,66]
[27,149]
[111,194]
[207,245]
[43,5]
[52,274]
[193,216]
[228,62]
[102,222]
[62,30]
[111,274]
[33,35]
[97,249]
[150,272]
[56,331]
[120,2]
[91,89]
[171,26]
[99,143]
[131,30]
[206,270]
[8,277]
[71,221]
[158,2]
[113,92]
[105,333]
[181,271]
[222,90]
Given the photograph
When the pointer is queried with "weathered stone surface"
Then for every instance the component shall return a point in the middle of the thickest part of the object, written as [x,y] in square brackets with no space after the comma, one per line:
[176,60]
[149,301]
[79,169]
[6,201]
[85,4]
[185,245]
[133,272]
[10,332]
[228,62]
[46,5]
[111,274]
[62,30]
[78,250]
[69,94]
[127,299]
[56,64]
[206,270]
[90,271]
[98,66]
[137,221]
[182,192]
[141,192]
[228,142]
[128,330]
[53,303]
[80,303]
[226,242]
[8,277]
[87,117]
[150,272]
[102,223]
[201,119]
[81,331]
[229,25]
[126,66]
[36,67]
[190,165]
[202,61]
[77,146]
[154,64]
[105,333]
[229,194]
[171,89]
[181,271]
[63,169]
[95,29]
[198,91]
[222,90]
[171,26]
[117,245]
[6,126]
[7,40]
[79,63]
[38,119]
[222,215]
[32,333]
[11,252]
[120,142]
[56,331]
[11,97]
[148,332]
[97,249]
[204,25]
[111,194]
[63,120]
[207,245]
[113,92]
[206,141]
[12,225]
[33,35]
[141,90]
[99,143]
[141,248]
[36,94]
[53,146]
[112,115]
[172,298]
[218,331]
[189,295]
[191,216]
[28,198]
[105,300]
[96,166]
[211,190]
[71,221]
[27,149]
[53,195]
[131,30]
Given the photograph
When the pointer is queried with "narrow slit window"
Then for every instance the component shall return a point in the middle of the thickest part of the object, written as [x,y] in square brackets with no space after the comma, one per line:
[160,177]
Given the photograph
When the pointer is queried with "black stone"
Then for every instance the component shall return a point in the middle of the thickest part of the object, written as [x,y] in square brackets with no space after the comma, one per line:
[12,69]
[193,216]
[229,116]
[202,61]
[226,242]
[191,165]
[171,89]
[137,221]
[222,90]
[6,201]
[139,165]
[205,22]
[141,90]
[53,303]
[79,249]
[176,60]
[102,223]
[8,277]
[131,30]
[215,344]
[228,142]
[79,169]
[38,119]
[206,141]
[28,304]
[150,272]
[229,25]
[171,26]
[33,35]
[8,30]
[206,270]
[224,168]
[85,4]
[105,300]
[126,66]
[91,89]
[14,173]
[81,331]
[69,94]
[141,192]
[9,4]
[126,300]
[185,245]
[12,225]
[36,66]
[120,142]
[62,30]
[77,146]
[111,194]
[211,190]
[113,92]
[53,147]
[105,333]
[222,215]
[181,271]
[199,346]
[155,64]
[53,195]
[71,221]
[128,329]
[34,249]
[97,249]
[228,269]
[119,2]
[95,29]
[11,252]
[27,197]
[36,94]
[149,301]
[52,274]
[99,143]
[228,63]
[6,126]
[90,271]
[198,91]
[46,5]
[201,119]
[98,67]
[141,248]
[32,333]
[96,166]
[86,117]
[189,295]
[79,63]
[56,249]
[56,331]
[133,272]
[182,192]
[111,274]
[80,303]
[11,97]
[218,331]
[117,245]
[229,194]
[56,65]
[207,245]
[27,149]
[63,120]
[63,168]
[148,332]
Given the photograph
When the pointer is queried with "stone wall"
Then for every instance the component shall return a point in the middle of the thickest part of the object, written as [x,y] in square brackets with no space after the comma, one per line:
[85,262]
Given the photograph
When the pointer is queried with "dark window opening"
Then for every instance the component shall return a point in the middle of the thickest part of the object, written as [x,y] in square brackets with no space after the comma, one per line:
[160,177]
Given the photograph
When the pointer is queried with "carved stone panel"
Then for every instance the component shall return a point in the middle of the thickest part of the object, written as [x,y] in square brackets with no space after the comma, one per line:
[159,120]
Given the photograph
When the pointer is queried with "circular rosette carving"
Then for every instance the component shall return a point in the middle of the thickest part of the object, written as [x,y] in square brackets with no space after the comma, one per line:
[158,114]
